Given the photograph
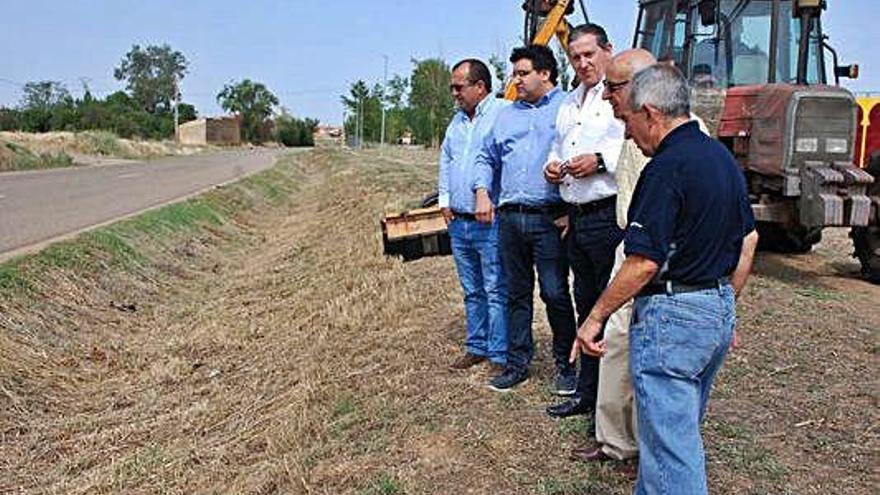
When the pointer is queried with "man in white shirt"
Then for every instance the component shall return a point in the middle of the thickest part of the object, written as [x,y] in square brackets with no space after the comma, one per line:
[583,161]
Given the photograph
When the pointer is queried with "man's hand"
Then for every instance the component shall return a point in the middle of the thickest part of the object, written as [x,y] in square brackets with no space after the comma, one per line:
[485,211]
[563,225]
[586,336]
[447,214]
[553,172]
[583,165]
[734,342]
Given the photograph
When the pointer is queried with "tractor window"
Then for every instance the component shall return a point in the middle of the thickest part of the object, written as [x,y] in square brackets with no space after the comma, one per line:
[787,52]
[654,33]
[737,54]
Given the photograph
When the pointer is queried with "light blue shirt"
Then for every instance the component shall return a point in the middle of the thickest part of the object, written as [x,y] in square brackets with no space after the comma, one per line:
[517,148]
[464,138]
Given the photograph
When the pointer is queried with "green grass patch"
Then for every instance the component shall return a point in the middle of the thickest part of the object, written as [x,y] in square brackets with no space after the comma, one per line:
[343,407]
[577,427]
[742,452]
[12,280]
[385,484]
[819,294]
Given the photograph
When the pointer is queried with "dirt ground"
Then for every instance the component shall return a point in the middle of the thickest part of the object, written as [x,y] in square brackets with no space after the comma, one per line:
[283,353]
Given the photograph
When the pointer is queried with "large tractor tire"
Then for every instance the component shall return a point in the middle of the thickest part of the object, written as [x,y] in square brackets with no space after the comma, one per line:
[866,240]
[780,238]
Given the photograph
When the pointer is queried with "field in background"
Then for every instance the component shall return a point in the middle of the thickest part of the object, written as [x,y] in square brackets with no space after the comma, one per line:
[254,340]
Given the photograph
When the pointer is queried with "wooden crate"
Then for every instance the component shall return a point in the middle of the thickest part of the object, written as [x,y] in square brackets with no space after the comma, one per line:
[415,234]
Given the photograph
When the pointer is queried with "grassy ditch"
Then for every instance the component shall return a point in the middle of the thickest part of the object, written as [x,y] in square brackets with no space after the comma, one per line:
[255,340]
[119,247]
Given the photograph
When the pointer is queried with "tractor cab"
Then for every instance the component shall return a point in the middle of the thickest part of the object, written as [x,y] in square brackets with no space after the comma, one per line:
[728,43]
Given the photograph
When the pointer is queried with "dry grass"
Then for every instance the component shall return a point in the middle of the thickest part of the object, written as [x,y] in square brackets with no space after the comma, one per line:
[279,352]
[93,147]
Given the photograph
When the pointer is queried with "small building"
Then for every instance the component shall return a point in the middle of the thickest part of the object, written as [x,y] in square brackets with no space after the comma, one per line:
[219,130]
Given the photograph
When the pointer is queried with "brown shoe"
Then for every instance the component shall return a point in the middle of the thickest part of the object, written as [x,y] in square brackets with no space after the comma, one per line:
[595,455]
[467,361]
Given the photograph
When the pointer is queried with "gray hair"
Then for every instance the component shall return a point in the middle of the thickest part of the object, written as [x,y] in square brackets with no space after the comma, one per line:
[664,87]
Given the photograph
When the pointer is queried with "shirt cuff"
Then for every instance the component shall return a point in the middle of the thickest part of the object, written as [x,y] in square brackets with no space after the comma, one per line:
[639,243]
[443,200]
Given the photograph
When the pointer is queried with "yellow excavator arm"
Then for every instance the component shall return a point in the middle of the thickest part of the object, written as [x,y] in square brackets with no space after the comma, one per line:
[554,24]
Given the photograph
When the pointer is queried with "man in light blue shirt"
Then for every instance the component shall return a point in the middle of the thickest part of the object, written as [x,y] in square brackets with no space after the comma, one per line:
[531,215]
[474,244]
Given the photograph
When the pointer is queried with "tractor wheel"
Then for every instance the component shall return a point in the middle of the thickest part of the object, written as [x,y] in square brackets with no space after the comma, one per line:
[866,241]
[779,238]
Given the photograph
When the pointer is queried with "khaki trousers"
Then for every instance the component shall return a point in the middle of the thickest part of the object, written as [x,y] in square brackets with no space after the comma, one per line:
[615,407]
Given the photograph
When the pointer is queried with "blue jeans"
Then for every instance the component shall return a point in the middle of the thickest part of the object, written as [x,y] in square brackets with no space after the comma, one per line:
[475,250]
[677,345]
[530,241]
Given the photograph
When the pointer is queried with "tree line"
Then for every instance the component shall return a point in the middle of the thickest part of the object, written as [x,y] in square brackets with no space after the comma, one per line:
[420,105]
[145,109]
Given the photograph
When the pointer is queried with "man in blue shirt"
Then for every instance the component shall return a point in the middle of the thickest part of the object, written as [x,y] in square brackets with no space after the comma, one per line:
[531,213]
[474,244]
[689,246]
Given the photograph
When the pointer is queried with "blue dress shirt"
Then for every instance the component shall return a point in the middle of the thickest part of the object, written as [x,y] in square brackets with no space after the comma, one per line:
[517,148]
[463,141]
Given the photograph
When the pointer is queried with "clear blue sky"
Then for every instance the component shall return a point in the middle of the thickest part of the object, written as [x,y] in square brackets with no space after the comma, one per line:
[307,51]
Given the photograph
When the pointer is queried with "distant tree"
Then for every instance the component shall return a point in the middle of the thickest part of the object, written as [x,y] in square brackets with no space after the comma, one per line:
[43,94]
[150,74]
[46,105]
[291,131]
[430,100]
[499,65]
[363,105]
[251,101]
[564,65]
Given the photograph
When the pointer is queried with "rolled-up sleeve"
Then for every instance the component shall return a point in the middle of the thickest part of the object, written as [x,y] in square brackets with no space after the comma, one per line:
[652,217]
[487,161]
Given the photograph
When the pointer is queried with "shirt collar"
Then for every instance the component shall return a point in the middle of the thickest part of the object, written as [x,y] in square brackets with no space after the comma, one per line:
[577,95]
[547,98]
[677,134]
[481,107]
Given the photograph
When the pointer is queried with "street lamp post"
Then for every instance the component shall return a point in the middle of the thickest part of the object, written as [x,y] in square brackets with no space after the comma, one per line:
[382,103]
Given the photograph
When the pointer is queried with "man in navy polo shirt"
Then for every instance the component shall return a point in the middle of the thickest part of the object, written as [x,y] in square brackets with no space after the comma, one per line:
[689,246]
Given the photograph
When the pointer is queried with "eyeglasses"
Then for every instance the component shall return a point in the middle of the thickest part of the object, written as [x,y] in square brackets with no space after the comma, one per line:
[459,87]
[522,73]
[614,87]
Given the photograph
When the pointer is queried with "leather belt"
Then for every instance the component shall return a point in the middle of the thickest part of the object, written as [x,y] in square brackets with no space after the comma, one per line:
[593,206]
[670,288]
[464,216]
[552,209]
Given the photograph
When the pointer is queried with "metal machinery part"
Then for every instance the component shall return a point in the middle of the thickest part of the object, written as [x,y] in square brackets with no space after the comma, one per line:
[758,70]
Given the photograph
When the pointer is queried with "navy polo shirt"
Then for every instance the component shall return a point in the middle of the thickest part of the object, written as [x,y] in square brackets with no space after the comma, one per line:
[690,210]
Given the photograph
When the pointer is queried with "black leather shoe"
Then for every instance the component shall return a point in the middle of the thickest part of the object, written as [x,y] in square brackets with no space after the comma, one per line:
[568,408]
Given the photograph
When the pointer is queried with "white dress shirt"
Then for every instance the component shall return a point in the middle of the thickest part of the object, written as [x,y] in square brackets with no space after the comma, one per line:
[585,124]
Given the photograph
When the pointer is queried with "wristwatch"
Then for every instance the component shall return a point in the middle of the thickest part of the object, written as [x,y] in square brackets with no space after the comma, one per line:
[600,164]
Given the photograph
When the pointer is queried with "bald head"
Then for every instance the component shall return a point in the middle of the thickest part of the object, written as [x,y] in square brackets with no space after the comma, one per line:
[620,72]
[632,61]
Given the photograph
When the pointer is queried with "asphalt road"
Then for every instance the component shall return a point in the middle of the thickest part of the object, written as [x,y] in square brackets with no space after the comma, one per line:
[38,207]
